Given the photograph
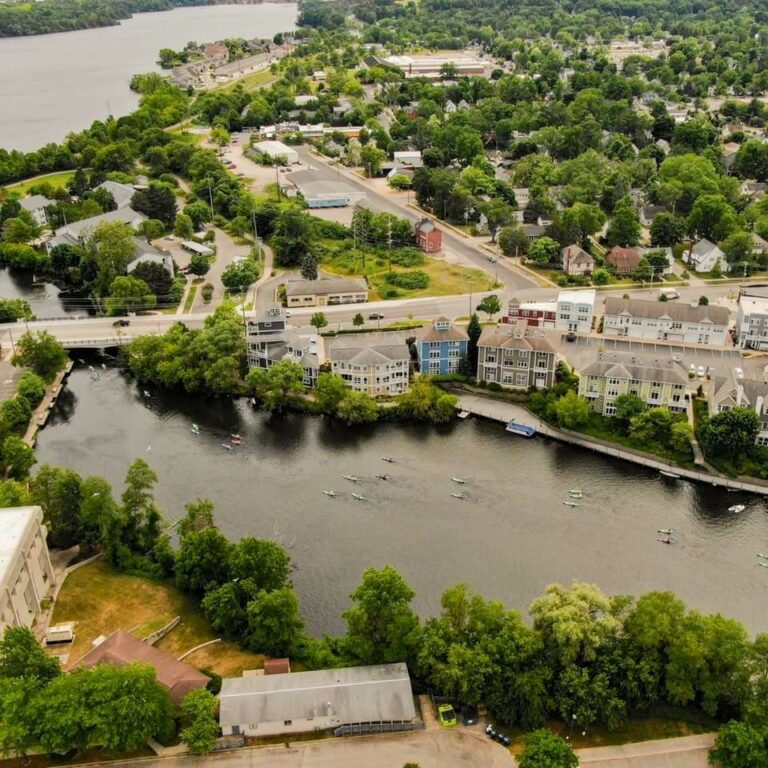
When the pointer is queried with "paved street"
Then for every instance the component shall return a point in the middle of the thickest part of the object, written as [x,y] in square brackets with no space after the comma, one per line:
[685,752]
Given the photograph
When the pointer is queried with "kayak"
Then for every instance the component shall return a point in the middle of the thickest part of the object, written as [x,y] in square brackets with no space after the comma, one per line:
[359,497]
[458,480]
[668,531]
[737,508]
[570,504]
[458,496]
[329,493]
[351,478]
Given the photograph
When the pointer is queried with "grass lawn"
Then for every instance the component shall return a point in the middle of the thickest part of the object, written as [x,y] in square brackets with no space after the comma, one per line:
[57,179]
[251,82]
[190,300]
[102,601]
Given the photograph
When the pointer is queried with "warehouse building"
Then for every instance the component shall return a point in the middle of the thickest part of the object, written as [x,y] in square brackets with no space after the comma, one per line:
[324,193]
[378,697]
[277,151]
[326,291]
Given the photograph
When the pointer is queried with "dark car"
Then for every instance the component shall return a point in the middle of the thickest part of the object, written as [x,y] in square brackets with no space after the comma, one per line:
[502,739]
[121,323]
[570,336]
[469,715]
[375,316]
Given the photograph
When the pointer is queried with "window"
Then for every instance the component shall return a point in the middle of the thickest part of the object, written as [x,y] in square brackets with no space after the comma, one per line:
[287,722]
[762,440]
[453,353]
[613,382]
[521,379]
[506,378]
[610,409]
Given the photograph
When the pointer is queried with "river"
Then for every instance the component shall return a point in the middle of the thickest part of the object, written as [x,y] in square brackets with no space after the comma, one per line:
[54,84]
[44,299]
[510,539]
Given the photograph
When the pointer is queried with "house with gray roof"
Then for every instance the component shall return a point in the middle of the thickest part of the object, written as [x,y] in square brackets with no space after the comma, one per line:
[657,381]
[375,363]
[326,291]
[146,253]
[122,194]
[517,355]
[704,255]
[649,212]
[324,699]
[576,261]
[734,391]
[666,321]
[36,205]
[78,232]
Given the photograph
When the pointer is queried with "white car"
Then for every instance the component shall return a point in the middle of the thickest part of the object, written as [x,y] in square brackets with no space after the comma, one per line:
[739,373]
[700,371]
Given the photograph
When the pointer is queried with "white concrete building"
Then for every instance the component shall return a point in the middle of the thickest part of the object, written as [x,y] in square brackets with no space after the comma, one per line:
[575,310]
[666,321]
[375,363]
[26,573]
[303,702]
[276,150]
[752,318]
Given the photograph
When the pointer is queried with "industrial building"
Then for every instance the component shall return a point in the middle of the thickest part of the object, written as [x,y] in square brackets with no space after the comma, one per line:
[324,193]
[277,151]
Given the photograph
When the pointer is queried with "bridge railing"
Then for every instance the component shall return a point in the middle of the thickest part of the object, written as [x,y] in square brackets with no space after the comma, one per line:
[111,341]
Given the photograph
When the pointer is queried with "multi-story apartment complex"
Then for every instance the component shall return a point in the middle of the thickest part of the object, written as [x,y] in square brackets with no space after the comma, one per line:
[440,347]
[665,321]
[514,355]
[732,391]
[752,317]
[375,363]
[270,340]
[26,574]
[657,382]
[575,310]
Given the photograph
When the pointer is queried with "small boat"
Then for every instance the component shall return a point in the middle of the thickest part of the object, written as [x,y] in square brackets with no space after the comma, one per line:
[736,508]
[763,565]
[516,428]
[388,459]
[571,503]
[236,437]
[666,531]
[669,474]
[237,441]
[464,414]
[253,402]
[146,393]
[576,492]
[762,556]
[458,496]
[91,368]
[668,540]
[351,478]
[103,367]
[359,497]
[329,493]
[458,480]
[383,477]
[227,446]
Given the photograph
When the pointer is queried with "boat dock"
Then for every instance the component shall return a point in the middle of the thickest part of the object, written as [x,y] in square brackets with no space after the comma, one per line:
[504,411]
[43,411]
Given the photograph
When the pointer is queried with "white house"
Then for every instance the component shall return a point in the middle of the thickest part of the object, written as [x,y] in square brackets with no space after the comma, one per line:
[704,255]
[26,573]
[409,157]
[575,310]
[36,206]
[276,150]
[146,253]
[665,321]
[752,318]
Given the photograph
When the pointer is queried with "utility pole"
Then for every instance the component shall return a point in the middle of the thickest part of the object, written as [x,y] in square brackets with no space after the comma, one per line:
[389,242]
[210,194]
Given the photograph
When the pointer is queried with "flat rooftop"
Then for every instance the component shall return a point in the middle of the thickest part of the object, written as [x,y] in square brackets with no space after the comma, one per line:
[15,522]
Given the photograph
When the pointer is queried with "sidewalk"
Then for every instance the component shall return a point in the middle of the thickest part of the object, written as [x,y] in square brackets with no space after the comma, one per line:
[684,752]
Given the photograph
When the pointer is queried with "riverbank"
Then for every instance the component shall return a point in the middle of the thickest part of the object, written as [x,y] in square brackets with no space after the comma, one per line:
[502,411]
[43,411]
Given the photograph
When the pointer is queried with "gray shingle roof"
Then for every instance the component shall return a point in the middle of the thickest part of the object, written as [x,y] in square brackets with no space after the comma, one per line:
[121,193]
[625,365]
[747,393]
[369,348]
[451,333]
[325,286]
[514,336]
[86,226]
[353,694]
[685,313]
[35,202]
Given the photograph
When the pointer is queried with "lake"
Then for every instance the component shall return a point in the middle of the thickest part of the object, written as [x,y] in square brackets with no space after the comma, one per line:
[54,84]
[509,539]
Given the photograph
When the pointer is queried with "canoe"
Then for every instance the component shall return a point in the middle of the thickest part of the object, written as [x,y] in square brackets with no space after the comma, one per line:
[458,480]
[329,493]
[458,496]
[667,531]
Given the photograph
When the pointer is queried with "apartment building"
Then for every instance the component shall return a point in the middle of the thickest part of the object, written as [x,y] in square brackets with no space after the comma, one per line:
[733,391]
[752,317]
[515,355]
[375,363]
[441,346]
[575,310]
[656,381]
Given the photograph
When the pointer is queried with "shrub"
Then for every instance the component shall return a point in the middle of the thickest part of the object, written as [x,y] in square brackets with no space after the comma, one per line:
[32,388]
[494,386]
[407,257]
[207,292]
[409,280]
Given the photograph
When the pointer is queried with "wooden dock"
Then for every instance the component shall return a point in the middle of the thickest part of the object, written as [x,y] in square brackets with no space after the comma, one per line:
[43,411]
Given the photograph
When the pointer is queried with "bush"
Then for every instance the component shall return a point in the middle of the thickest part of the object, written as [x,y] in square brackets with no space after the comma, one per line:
[494,386]
[207,292]
[407,257]
[409,280]
[390,293]
[32,388]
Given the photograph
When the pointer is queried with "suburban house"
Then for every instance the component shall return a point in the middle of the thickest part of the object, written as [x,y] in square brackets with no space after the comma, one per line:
[326,292]
[441,346]
[428,237]
[122,194]
[514,355]
[35,206]
[270,340]
[576,261]
[752,317]
[78,232]
[624,261]
[704,256]
[575,310]
[657,382]
[277,152]
[522,197]
[301,702]
[732,391]
[534,231]
[537,314]
[375,363]
[147,254]
[122,648]
[26,573]
[665,321]
[410,158]
[649,212]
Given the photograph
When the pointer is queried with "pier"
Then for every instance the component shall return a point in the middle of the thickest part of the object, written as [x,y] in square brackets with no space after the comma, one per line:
[43,411]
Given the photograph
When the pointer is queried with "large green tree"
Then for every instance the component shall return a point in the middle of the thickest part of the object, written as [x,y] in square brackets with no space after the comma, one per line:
[275,626]
[42,353]
[544,749]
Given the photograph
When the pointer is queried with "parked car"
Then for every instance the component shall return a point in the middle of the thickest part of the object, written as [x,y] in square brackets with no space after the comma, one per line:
[469,715]
[121,323]
[505,740]
[375,316]
[739,373]
[570,336]
[446,715]
[700,371]
[493,259]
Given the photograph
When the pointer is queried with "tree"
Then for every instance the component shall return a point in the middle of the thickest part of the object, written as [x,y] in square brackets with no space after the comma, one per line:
[544,749]
[200,727]
[667,229]
[42,353]
[738,247]
[712,217]
[14,309]
[329,392]
[220,137]
[627,407]
[358,320]
[425,402]
[275,626]
[109,250]
[22,656]
[739,745]
[319,320]
[31,388]
[309,266]
[241,274]
[199,264]
[490,305]
[15,413]
[60,495]
[18,721]
[199,515]
[624,228]
[730,433]
[543,250]
[275,385]
[357,408]
[183,226]
[203,561]
[292,238]
[381,625]
[474,329]
[513,241]
[156,276]
[371,158]
[265,563]
[572,410]
[151,229]
[158,201]
[17,458]
[129,294]
[680,436]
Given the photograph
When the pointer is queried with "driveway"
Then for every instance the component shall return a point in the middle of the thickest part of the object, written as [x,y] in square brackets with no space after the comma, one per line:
[685,752]
[226,250]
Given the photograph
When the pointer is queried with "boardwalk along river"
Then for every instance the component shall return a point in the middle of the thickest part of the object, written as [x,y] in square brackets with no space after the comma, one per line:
[508,539]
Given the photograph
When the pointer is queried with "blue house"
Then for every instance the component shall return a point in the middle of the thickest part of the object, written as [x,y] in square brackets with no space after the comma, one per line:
[440,347]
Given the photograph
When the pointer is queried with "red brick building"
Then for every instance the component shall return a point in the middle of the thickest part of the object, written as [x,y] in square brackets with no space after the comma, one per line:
[542,314]
[428,237]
